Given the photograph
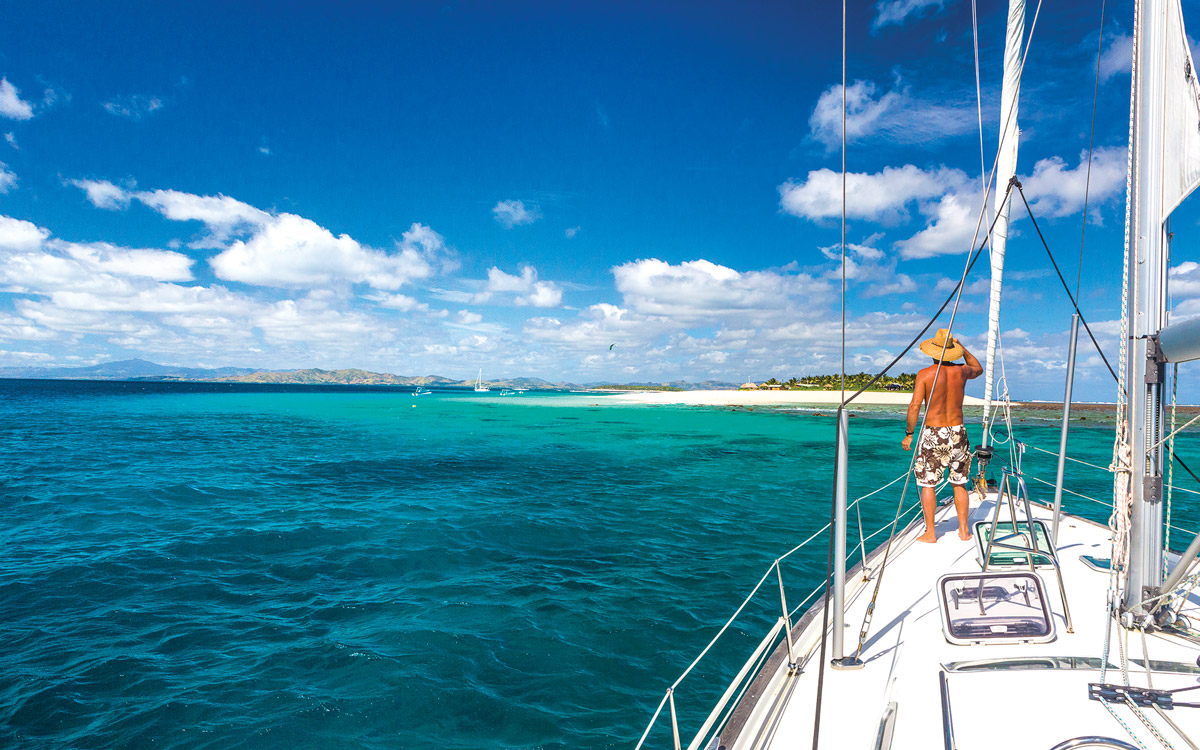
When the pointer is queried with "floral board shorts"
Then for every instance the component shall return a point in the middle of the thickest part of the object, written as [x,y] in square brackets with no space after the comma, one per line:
[941,448]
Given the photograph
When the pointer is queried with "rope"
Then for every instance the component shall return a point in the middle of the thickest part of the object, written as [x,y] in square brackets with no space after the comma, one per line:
[1121,506]
[1170,468]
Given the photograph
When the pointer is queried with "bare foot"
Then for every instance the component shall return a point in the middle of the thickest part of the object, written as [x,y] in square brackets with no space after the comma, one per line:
[929,536]
[964,534]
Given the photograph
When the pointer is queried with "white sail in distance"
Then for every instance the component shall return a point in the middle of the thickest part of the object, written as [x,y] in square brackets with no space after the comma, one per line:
[1006,167]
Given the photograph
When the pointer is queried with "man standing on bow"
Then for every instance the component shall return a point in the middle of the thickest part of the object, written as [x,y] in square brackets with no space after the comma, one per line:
[943,443]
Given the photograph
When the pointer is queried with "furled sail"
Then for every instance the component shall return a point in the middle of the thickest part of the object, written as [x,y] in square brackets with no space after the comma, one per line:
[1181,105]
[1006,167]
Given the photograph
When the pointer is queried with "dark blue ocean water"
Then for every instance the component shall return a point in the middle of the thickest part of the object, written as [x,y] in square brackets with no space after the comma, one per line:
[189,566]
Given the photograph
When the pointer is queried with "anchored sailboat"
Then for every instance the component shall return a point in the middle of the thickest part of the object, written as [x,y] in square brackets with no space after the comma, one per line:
[479,386]
[1047,630]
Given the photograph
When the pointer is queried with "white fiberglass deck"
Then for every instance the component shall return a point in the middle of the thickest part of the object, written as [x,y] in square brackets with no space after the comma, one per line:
[1002,708]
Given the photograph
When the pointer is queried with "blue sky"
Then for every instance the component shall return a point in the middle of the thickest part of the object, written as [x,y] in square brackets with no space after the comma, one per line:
[437,187]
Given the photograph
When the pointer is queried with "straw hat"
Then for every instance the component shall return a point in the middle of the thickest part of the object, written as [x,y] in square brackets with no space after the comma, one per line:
[933,347]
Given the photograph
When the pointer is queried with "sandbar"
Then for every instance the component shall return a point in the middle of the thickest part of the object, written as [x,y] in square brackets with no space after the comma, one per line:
[765,398]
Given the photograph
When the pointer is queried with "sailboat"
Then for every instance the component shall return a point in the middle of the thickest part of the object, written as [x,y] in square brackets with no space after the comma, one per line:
[1046,630]
[479,386]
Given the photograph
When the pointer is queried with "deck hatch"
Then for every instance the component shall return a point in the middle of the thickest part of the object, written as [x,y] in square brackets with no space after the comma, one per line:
[994,607]
[1007,558]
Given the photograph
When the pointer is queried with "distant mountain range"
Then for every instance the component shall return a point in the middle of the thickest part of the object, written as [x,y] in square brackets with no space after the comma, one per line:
[140,369]
[126,369]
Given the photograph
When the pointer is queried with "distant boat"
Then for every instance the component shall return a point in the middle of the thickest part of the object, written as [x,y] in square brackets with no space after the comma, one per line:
[507,392]
[479,386]
[421,391]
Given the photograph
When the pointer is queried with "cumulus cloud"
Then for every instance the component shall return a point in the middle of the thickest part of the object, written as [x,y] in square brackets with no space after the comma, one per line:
[889,12]
[221,215]
[8,178]
[17,235]
[401,302]
[291,251]
[283,250]
[309,322]
[1058,190]
[160,265]
[699,290]
[12,105]
[133,107]
[11,139]
[524,289]
[897,115]
[869,269]
[1117,57]
[102,193]
[39,265]
[954,227]
[1185,280]
[144,298]
[513,213]
[881,196]
[572,231]
[947,200]
[596,328]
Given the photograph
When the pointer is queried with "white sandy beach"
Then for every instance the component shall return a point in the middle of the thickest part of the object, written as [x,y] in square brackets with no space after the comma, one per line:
[765,398]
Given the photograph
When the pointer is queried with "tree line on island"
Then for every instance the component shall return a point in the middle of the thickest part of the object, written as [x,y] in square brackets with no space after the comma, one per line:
[902,382]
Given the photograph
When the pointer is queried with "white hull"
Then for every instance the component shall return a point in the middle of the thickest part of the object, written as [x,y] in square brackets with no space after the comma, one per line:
[906,652]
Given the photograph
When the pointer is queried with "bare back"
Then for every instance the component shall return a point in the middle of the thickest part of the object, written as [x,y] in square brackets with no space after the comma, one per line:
[943,401]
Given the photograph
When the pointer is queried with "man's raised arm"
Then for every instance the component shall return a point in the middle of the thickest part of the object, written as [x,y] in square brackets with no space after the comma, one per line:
[972,367]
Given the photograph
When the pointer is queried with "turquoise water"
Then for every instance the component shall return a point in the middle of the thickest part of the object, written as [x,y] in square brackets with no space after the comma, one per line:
[191,566]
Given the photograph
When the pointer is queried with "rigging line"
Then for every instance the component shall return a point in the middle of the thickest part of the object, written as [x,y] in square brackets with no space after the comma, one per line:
[932,320]
[955,291]
[1076,460]
[1066,288]
[978,97]
[1174,432]
[843,380]
[1091,143]
[838,448]
[862,635]
[1175,456]
[978,222]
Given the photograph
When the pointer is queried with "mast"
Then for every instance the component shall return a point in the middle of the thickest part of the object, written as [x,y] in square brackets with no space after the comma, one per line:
[1006,168]
[1146,273]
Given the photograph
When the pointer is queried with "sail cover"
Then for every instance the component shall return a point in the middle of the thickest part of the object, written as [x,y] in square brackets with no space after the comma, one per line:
[1181,115]
[1006,167]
